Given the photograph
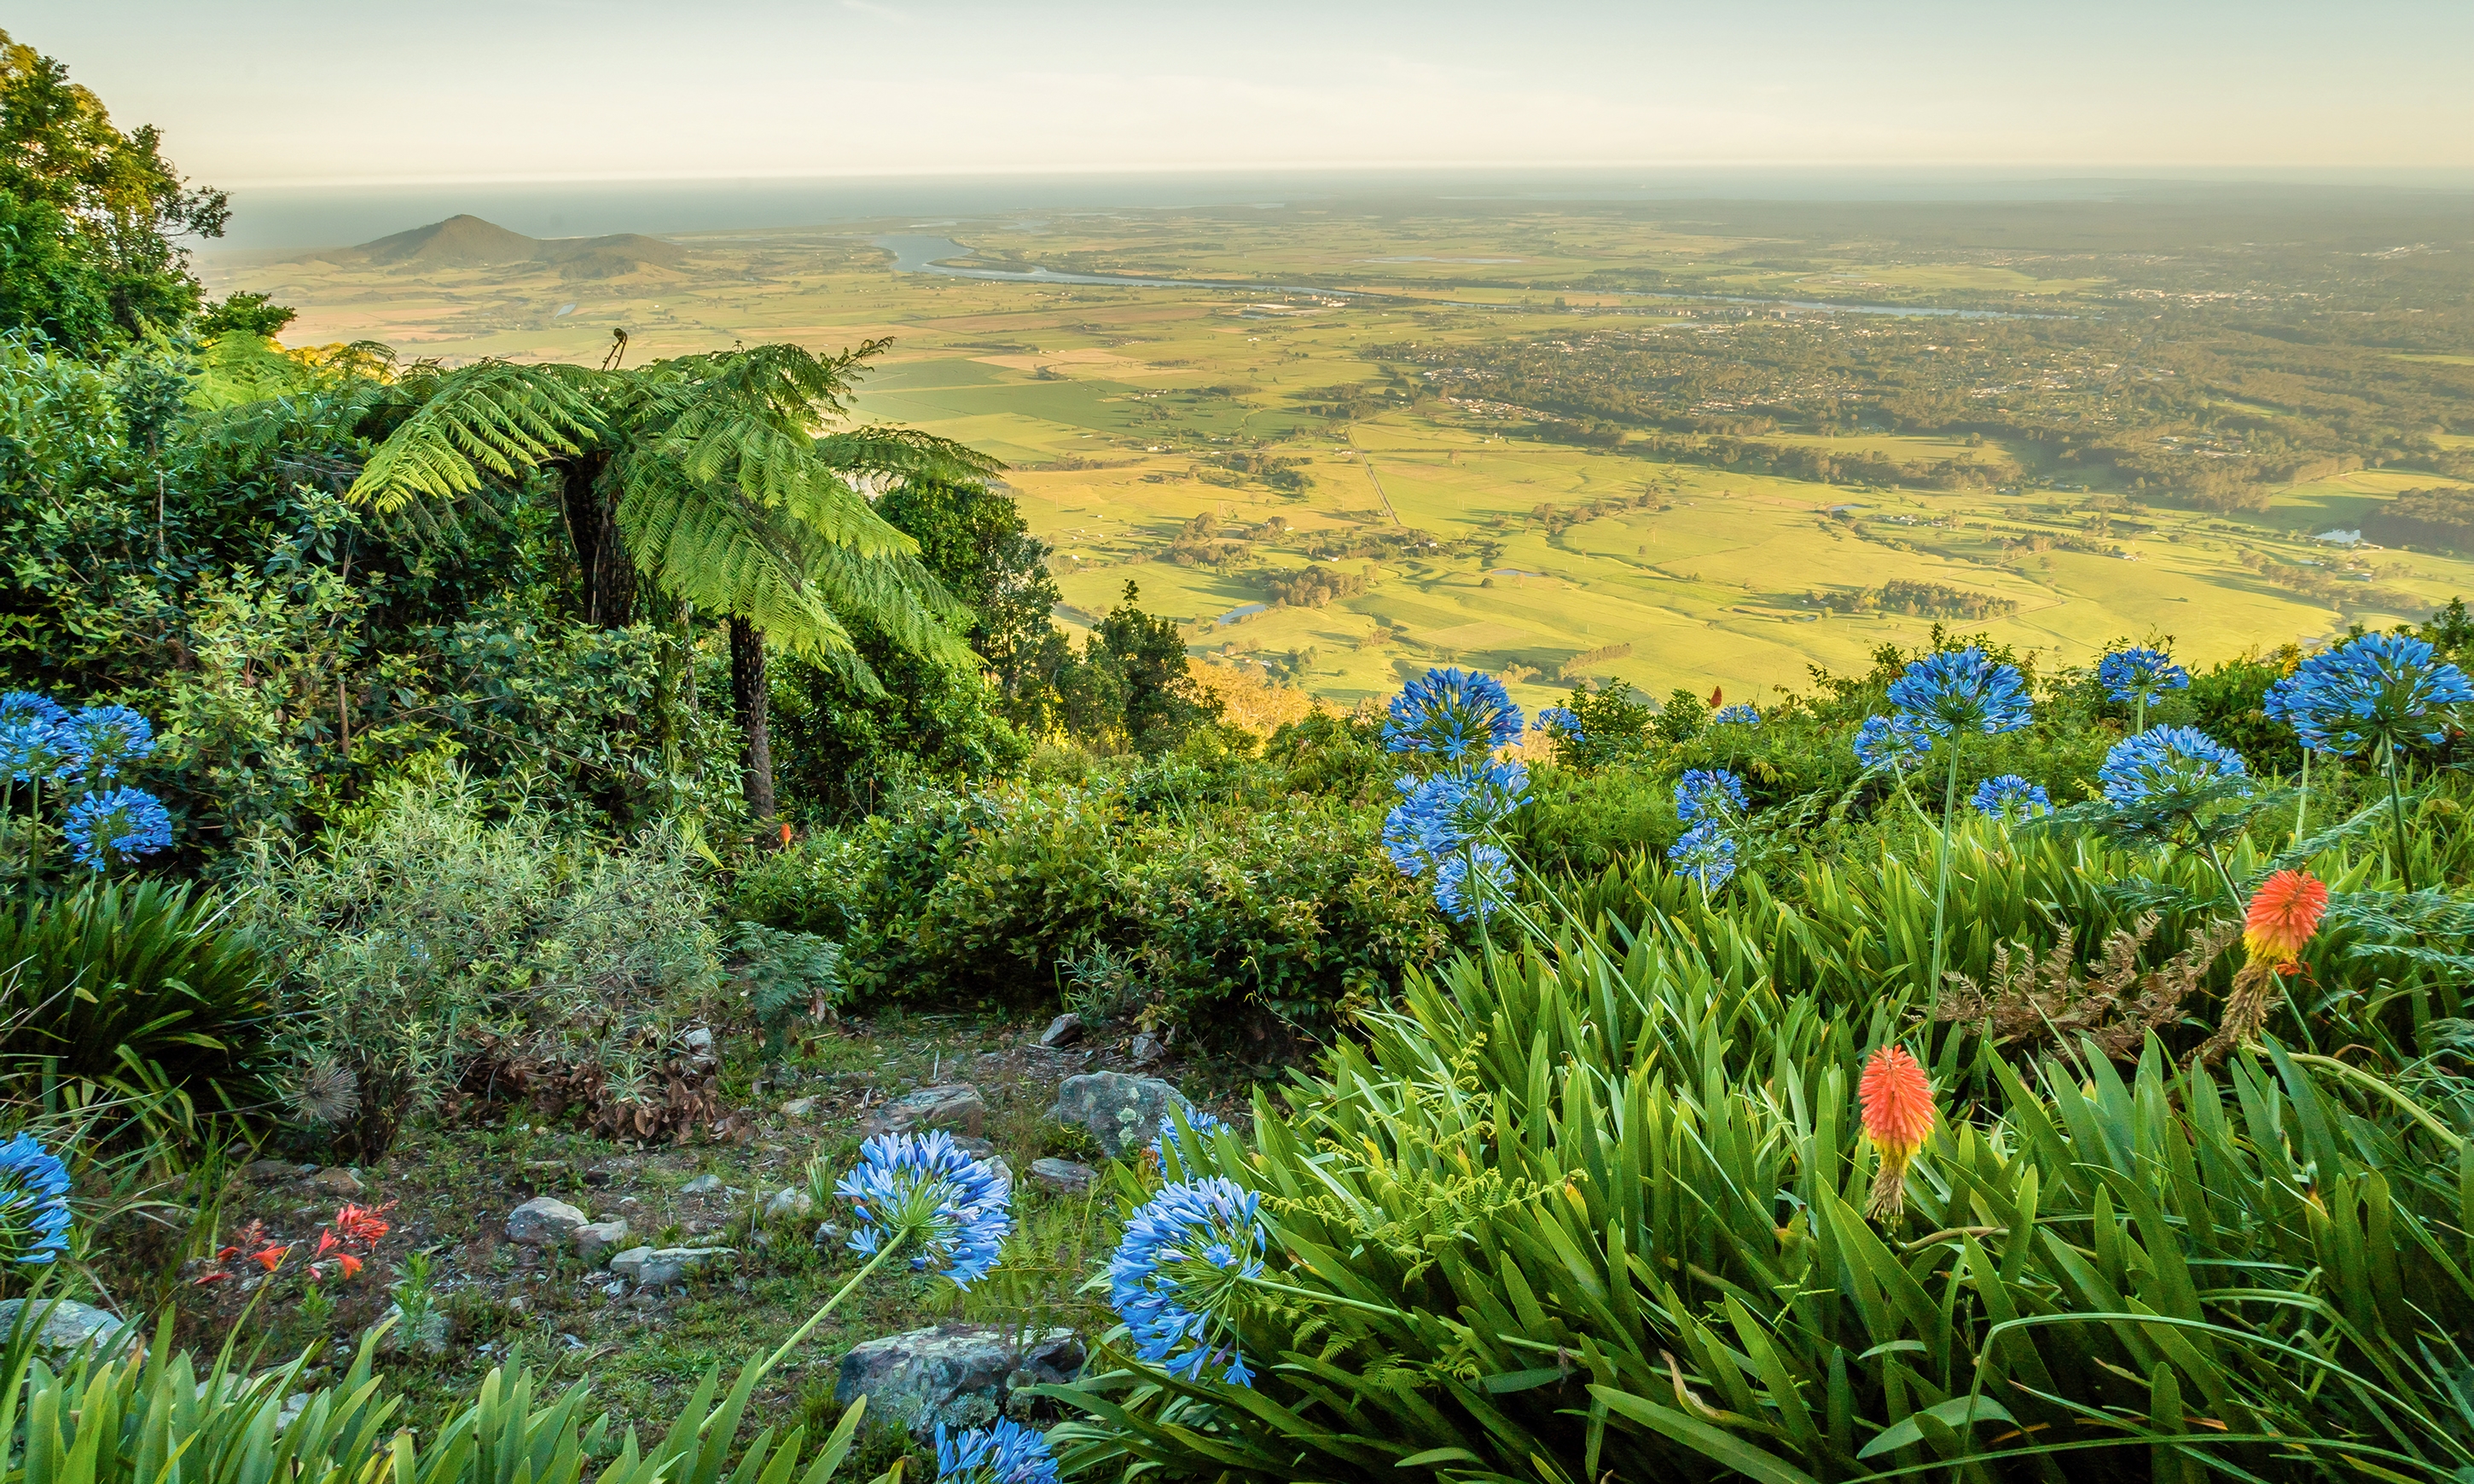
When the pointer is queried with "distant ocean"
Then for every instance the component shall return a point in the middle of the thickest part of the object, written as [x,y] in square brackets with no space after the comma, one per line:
[285,217]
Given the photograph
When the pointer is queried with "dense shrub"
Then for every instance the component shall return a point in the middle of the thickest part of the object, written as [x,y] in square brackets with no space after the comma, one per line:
[431,935]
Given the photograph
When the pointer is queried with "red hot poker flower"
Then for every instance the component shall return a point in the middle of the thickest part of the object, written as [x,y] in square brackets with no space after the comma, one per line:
[1898,1106]
[2284,915]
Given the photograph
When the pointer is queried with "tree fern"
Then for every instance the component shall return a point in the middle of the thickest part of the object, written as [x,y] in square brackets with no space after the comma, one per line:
[492,417]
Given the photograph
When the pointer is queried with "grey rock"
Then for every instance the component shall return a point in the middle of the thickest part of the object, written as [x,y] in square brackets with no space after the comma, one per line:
[1063,1031]
[338,1181]
[600,1239]
[697,1042]
[800,1108]
[955,1106]
[1147,1049]
[653,1267]
[828,1233]
[1063,1176]
[274,1172]
[789,1203]
[67,1325]
[544,1221]
[976,1148]
[962,1376]
[702,1185]
[1123,1113]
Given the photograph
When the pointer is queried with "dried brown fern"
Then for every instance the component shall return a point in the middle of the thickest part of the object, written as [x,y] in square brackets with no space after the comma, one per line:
[2035,1002]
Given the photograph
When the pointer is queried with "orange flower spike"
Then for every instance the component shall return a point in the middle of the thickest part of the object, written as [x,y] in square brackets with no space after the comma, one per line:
[327,1243]
[271,1257]
[1898,1106]
[349,1265]
[2284,915]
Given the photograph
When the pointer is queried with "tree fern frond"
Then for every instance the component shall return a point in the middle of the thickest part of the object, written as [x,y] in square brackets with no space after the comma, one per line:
[900,597]
[706,544]
[491,417]
[904,451]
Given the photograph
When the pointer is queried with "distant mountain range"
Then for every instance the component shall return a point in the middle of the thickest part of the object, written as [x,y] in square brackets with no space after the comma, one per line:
[470,242]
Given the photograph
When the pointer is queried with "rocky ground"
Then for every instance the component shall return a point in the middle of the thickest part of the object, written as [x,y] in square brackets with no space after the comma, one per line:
[639,1268]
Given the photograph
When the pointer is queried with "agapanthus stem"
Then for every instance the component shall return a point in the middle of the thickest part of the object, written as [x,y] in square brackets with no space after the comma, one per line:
[2396,816]
[892,1245]
[2233,893]
[2139,721]
[1941,872]
[2302,803]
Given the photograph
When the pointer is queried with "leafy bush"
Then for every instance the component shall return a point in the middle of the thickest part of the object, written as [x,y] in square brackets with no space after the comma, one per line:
[430,935]
[136,985]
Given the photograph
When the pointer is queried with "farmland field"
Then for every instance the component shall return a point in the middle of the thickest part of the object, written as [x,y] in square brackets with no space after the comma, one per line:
[1450,416]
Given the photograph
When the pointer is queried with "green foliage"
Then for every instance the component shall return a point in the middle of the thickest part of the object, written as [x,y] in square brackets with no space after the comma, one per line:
[1592,1210]
[431,934]
[1128,687]
[159,1416]
[784,975]
[88,214]
[135,986]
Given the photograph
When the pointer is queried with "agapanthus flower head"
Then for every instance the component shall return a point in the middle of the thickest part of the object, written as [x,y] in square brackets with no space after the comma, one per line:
[32,706]
[1707,853]
[1960,690]
[2380,689]
[1894,742]
[1455,715]
[2140,674]
[2283,914]
[2008,794]
[1178,1276]
[1897,1102]
[30,749]
[98,741]
[1745,714]
[1709,793]
[1472,882]
[1005,1454]
[2168,769]
[1562,723]
[33,1202]
[1189,1150]
[922,1191]
[1441,816]
[111,829]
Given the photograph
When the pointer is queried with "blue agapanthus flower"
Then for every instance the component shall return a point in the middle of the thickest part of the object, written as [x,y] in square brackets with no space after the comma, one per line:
[1743,714]
[33,705]
[1203,1125]
[2164,767]
[1006,1454]
[1452,714]
[1896,742]
[922,1190]
[98,741]
[30,749]
[2140,674]
[2001,797]
[1707,853]
[2382,687]
[1712,793]
[1562,723]
[1177,1277]
[1470,883]
[33,1202]
[111,829]
[1440,815]
[1961,690]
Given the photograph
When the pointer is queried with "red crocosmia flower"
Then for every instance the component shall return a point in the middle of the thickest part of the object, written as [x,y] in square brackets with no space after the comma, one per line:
[1717,697]
[226,1255]
[271,1257]
[362,1224]
[2283,914]
[205,1278]
[349,1265]
[1898,1106]
[327,1243]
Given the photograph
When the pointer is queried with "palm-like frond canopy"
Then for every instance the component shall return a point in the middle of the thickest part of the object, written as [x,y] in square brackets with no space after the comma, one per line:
[713,471]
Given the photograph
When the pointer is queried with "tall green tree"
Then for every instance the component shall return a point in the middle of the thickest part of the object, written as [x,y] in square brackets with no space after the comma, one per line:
[701,485]
[90,216]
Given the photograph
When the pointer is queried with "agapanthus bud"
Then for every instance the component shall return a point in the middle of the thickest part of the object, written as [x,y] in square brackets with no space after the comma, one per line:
[1898,1106]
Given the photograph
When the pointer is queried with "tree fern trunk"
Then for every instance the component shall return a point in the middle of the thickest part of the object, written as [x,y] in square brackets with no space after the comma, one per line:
[603,566]
[747,697]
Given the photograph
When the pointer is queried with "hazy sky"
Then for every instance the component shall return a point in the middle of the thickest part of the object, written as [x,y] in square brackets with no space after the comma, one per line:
[265,92]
